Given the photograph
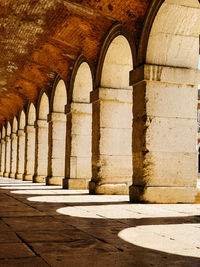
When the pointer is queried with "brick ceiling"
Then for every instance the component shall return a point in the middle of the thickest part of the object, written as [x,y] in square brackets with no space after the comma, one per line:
[39,38]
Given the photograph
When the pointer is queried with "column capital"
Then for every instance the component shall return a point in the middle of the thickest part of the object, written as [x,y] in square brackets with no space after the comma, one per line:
[29,129]
[75,107]
[56,116]
[165,74]
[7,138]
[2,140]
[41,124]
[111,94]
[13,135]
[20,132]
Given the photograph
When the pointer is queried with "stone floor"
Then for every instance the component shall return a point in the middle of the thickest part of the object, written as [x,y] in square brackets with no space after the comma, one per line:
[48,226]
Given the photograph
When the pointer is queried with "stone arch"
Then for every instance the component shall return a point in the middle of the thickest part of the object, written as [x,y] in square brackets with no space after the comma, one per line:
[14,125]
[43,106]
[79,127]
[8,128]
[41,148]
[3,131]
[22,120]
[174,36]
[59,96]
[112,106]
[31,114]
[165,96]
[117,64]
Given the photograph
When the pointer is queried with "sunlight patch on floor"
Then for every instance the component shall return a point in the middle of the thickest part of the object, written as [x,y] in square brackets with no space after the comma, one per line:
[179,239]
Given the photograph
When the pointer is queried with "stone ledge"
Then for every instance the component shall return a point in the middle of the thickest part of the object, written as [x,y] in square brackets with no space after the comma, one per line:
[108,189]
[76,183]
[165,74]
[162,195]
[54,180]
[110,94]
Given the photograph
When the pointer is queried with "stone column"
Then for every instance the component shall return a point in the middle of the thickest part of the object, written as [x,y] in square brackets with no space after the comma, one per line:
[56,154]
[3,150]
[7,158]
[41,148]
[29,152]
[13,158]
[111,141]
[164,134]
[20,154]
[79,146]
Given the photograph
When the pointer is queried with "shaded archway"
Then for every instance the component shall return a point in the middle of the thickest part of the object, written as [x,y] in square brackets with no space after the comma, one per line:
[165,102]
[3,150]
[112,119]
[21,146]
[57,133]
[79,128]
[41,148]
[30,143]
[7,148]
[13,158]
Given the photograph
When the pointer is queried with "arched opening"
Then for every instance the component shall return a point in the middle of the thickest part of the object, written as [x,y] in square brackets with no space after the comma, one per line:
[41,159]
[79,131]
[3,150]
[112,122]
[57,134]
[165,107]
[21,146]
[30,143]
[8,147]
[13,158]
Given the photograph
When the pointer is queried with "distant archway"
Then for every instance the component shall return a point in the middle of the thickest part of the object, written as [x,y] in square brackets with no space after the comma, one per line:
[8,147]
[3,150]
[57,133]
[21,146]
[79,128]
[112,119]
[13,159]
[41,162]
[30,143]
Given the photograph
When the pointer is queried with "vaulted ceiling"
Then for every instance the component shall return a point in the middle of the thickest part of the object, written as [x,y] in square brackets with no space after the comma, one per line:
[39,38]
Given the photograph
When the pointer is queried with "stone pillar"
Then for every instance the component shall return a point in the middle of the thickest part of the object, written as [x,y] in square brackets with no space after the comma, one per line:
[79,146]
[56,154]
[7,156]
[111,141]
[13,158]
[20,154]
[164,134]
[3,150]
[29,152]
[41,150]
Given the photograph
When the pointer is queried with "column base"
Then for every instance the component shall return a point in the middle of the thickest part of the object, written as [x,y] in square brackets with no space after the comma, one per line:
[108,189]
[1,173]
[28,177]
[6,174]
[54,180]
[76,183]
[19,176]
[162,195]
[12,175]
[39,179]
